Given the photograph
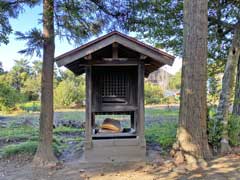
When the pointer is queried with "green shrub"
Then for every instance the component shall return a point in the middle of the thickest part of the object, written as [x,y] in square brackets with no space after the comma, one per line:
[18,132]
[68,93]
[214,128]
[171,100]
[8,97]
[25,147]
[30,147]
[156,112]
[33,106]
[234,130]
[175,81]
[163,133]
[153,93]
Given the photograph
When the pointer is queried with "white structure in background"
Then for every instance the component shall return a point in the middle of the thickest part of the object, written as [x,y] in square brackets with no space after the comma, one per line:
[162,76]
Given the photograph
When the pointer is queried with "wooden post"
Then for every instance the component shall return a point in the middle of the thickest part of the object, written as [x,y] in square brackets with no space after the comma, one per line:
[88,127]
[141,100]
[114,50]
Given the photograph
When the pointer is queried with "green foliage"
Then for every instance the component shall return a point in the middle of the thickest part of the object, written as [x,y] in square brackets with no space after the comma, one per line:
[8,97]
[214,88]
[33,106]
[163,133]
[18,132]
[65,94]
[70,91]
[171,100]
[29,147]
[156,112]
[153,94]
[1,68]
[175,81]
[11,9]
[32,87]
[74,115]
[19,73]
[234,130]
[214,128]
[34,43]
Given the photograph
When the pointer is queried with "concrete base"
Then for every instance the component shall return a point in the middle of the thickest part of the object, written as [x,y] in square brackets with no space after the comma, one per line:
[115,150]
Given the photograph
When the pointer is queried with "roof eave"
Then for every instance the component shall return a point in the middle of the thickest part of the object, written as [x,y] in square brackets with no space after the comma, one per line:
[129,42]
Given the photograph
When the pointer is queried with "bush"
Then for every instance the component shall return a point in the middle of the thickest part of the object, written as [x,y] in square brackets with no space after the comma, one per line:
[25,147]
[30,147]
[68,93]
[33,106]
[8,97]
[214,129]
[171,100]
[18,132]
[163,133]
[153,93]
[234,130]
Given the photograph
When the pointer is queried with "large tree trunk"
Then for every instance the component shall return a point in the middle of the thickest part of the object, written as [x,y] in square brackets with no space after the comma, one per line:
[192,143]
[44,155]
[227,91]
[236,54]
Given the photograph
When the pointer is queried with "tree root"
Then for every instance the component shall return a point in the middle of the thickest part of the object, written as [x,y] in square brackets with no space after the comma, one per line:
[44,158]
[225,147]
[190,158]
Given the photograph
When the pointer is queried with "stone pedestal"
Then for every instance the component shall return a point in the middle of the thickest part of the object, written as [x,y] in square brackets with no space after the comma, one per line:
[116,150]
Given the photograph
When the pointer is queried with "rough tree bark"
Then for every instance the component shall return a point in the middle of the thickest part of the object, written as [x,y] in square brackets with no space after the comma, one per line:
[236,48]
[227,91]
[192,143]
[44,155]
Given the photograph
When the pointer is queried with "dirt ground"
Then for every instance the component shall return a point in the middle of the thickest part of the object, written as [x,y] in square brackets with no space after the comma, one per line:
[155,168]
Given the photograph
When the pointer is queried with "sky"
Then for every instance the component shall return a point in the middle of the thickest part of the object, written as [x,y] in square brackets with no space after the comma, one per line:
[28,20]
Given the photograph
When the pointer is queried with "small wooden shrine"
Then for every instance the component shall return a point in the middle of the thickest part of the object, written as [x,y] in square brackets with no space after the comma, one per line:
[115,67]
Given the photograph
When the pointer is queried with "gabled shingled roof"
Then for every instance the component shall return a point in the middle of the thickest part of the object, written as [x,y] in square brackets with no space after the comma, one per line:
[159,57]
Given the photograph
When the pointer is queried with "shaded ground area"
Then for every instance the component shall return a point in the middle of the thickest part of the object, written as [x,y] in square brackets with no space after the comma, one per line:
[222,168]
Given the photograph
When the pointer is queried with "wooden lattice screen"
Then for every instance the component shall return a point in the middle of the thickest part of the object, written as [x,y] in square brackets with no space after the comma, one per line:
[114,87]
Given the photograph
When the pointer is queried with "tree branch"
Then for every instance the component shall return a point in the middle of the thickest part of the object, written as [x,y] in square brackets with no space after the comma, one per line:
[215,21]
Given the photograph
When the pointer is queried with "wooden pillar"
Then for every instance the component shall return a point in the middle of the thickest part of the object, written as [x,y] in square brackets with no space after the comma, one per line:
[88,119]
[141,100]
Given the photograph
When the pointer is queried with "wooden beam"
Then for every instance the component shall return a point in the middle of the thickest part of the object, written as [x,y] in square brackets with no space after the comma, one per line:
[88,57]
[143,57]
[115,50]
[141,100]
[106,62]
[118,59]
[88,119]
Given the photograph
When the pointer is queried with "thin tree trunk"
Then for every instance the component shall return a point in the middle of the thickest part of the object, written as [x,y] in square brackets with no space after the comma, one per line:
[44,155]
[227,91]
[192,143]
[236,105]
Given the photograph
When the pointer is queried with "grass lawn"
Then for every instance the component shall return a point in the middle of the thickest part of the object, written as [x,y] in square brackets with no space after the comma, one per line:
[18,137]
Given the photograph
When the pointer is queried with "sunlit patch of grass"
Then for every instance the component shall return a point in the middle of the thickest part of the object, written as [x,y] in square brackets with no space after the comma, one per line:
[72,115]
[156,112]
[29,147]
[163,133]
[18,132]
